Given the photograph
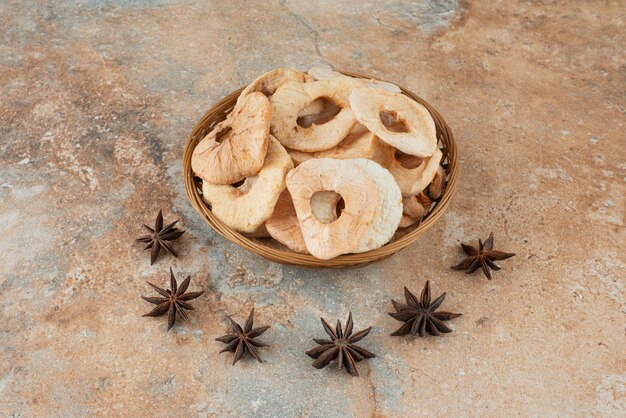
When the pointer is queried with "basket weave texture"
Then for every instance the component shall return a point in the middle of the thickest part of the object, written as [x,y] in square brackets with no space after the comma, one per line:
[259,246]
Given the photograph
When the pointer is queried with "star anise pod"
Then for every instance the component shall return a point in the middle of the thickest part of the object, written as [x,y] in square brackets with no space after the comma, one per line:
[482,257]
[419,316]
[242,340]
[158,237]
[174,300]
[341,347]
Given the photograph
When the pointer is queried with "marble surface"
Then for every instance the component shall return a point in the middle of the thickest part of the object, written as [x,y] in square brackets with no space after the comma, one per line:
[97,98]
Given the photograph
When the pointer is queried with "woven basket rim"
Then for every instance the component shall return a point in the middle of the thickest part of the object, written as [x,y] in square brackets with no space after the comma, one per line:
[218,111]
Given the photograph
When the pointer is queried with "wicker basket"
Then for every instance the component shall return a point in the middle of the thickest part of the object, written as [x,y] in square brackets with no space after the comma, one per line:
[218,113]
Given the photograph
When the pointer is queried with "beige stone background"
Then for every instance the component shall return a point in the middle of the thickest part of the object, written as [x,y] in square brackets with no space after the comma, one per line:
[96,100]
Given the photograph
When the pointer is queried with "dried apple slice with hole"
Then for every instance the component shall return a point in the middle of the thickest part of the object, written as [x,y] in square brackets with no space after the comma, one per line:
[396,119]
[372,205]
[235,148]
[268,82]
[289,101]
[247,206]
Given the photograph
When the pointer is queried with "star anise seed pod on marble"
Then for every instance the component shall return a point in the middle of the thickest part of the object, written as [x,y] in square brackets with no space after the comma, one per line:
[419,316]
[482,257]
[341,347]
[242,340]
[158,237]
[173,300]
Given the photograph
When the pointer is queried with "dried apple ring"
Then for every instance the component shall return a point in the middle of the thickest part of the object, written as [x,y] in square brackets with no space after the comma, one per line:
[372,199]
[413,174]
[247,207]
[236,147]
[268,82]
[396,119]
[291,98]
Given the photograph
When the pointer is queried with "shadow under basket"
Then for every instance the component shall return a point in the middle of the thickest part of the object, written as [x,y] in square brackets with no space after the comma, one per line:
[273,252]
